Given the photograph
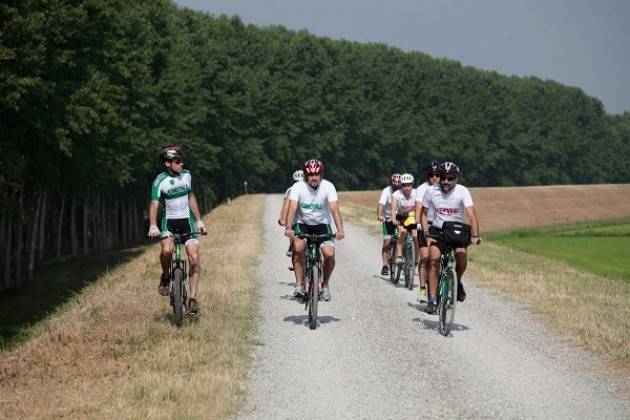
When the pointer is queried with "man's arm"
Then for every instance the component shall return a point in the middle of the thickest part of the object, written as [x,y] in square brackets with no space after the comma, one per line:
[154,231]
[379,212]
[424,220]
[194,207]
[474,225]
[282,219]
[336,214]
[394,209]
[290,216]
[418,212]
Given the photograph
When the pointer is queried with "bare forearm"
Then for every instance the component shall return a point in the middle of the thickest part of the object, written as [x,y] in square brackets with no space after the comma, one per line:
[153,209]
[194,206]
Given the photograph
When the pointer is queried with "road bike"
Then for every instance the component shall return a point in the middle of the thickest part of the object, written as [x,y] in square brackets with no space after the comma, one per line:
[178,276]
[314,274]
[447,290]
[408,265]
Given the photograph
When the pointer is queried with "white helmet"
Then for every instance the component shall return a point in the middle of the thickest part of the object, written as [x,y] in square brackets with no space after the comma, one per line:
[298,175]
[406,179]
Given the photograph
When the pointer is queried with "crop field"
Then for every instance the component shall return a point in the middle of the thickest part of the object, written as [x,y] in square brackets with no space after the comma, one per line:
[602,249]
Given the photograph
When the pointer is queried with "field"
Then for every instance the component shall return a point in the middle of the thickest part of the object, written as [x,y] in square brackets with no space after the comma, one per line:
[602,249]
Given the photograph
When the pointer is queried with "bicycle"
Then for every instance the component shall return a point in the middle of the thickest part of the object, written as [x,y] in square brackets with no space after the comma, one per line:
[409,259]
[447,290]
[178,275]
[313,280]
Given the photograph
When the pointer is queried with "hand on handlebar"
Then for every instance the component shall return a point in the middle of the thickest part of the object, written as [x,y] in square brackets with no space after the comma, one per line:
[340,235]
[289,233]
[154,232]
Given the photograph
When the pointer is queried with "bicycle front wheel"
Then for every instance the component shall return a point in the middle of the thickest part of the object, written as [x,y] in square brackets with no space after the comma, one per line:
[313,298]
[392,261]
[448,299]
[177,296]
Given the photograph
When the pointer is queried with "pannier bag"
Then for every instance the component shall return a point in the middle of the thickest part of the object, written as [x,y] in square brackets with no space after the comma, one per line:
[456,234]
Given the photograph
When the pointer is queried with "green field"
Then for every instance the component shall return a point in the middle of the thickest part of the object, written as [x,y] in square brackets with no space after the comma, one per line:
[602,248]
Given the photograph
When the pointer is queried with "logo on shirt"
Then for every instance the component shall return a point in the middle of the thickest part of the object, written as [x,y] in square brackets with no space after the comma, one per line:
[311,206]
[447,212]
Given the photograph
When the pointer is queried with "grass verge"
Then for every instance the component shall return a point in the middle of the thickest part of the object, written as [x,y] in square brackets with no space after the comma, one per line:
[593,309]
[113,351]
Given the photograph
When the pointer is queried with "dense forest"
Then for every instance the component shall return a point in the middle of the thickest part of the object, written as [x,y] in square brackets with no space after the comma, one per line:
[90,90]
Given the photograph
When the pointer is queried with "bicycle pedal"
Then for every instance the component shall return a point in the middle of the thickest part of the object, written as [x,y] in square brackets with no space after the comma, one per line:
[290,268]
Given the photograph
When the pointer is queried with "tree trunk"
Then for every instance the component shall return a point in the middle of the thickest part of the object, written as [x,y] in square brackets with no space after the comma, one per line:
[7,255]
[86,228]
[42,227]
[16,278]
[34,236]
[74,238]
[115,229]
[62,207]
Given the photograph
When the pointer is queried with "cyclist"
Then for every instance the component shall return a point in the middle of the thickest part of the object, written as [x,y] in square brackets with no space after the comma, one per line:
[314,202]
[403,206]
[174,187]
[449,202]
[384,215]
[298,176]
[432,171]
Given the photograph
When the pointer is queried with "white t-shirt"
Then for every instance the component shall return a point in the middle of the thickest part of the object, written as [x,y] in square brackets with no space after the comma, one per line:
[313,205]
[406,205]
[448,207]
[386,201]
[175,190]
[286,196]
[420,196]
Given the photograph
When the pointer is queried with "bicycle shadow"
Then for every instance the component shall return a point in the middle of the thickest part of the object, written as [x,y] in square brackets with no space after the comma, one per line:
[303,319]
[433,324]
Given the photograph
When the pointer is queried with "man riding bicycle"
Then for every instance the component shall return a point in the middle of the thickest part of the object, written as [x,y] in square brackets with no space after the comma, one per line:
[314,201]
[384,215]
[403,206]
[174,188]
[432,171]
[449,202]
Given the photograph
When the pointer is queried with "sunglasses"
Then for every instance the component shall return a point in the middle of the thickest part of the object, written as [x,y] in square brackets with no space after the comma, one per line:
[434,175]
[177,161]
[448,178]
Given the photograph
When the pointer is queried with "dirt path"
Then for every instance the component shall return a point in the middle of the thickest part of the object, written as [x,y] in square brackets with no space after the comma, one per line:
[377,355]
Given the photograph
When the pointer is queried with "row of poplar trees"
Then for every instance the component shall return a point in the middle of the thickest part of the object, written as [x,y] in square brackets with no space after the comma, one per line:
[91,90]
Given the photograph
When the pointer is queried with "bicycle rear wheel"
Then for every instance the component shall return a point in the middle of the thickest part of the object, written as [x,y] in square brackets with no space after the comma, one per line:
[177,296]
[313,298]
[392,261]
[448,299]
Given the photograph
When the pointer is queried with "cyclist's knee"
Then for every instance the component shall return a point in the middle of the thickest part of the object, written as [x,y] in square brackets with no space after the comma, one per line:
[195,268]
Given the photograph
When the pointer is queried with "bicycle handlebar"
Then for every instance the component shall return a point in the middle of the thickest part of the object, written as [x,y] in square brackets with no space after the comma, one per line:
[323,237]
[183,237]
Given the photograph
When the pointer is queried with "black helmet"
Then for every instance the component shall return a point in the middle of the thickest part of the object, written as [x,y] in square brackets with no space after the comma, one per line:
[170,152]
[449,168]
[433,166]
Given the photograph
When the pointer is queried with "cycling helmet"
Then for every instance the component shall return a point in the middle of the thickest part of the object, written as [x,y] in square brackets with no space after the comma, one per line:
[449,168]
[313,167]
[170,152]
[298,175]
[406,179]
[433,166]
[394,180]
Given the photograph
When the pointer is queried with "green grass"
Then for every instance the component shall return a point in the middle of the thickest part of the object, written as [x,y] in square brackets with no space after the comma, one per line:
[598,247]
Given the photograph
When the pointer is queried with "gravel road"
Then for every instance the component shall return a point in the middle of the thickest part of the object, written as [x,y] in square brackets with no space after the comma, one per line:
[377,355]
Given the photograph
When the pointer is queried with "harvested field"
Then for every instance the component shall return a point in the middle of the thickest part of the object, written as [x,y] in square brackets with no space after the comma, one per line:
[516,207]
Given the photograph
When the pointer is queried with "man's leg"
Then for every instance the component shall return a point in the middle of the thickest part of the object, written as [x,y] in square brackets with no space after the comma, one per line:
[423,265]
[461,262]
[166,254]
[386,250]
[434,263]
[328,252]
[298,264]
[402,236]
[193,273]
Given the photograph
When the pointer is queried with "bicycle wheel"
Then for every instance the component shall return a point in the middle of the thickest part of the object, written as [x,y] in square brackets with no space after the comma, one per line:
[392,261]
[177,296]
[409,258]
[448,299]
[313,298]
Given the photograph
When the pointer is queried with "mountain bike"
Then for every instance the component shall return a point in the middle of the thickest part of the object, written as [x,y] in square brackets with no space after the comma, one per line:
[409,260]
[447,290]
[314,274]
[392,257]
[178,276]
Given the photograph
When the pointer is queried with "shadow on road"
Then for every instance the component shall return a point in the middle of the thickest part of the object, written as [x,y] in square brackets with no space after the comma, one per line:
[303,319]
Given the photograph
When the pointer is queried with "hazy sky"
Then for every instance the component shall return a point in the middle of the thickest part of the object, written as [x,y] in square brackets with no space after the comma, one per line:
[582,43]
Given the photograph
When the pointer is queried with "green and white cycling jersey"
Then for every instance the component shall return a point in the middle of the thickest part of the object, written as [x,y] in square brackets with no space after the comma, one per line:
[174,189]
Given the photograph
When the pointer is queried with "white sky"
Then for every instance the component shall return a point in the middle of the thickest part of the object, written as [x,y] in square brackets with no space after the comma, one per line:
[580,43]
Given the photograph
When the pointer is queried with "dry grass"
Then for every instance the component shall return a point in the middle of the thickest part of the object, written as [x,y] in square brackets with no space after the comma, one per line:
[592,309]
[514,207]
[113,351]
